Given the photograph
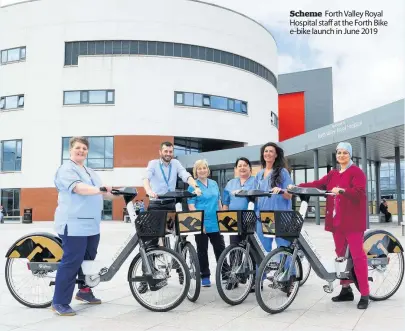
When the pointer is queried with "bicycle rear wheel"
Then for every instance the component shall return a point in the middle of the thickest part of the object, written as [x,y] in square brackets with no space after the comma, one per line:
[170,285]
[191,259]
[275,288]
[306,267]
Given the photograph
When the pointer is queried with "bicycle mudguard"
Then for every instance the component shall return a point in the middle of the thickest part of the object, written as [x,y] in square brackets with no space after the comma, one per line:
[379,243]
[37,247]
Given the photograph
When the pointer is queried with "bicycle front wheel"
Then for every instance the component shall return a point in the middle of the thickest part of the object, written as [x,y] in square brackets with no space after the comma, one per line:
[277,286]
[169,285]
[234,274]
[191,258]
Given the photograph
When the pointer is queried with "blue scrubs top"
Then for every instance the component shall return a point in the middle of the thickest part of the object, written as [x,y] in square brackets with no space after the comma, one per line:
[81,213]
[236,203]
[207,201]
[275,202]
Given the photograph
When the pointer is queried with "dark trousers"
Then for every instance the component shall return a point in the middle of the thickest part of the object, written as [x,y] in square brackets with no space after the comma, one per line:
[217,242]
[159,206]
[75,250]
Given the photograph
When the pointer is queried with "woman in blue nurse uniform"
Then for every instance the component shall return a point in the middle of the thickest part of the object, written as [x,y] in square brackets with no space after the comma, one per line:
[274,177]
[77,221]
[243,181]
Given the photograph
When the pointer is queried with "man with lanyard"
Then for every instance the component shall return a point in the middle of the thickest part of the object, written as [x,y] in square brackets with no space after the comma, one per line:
[161,177]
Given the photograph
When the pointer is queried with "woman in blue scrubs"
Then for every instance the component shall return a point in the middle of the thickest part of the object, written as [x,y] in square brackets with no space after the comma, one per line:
[244,181]
[77,221]
[273,177]
[210,202]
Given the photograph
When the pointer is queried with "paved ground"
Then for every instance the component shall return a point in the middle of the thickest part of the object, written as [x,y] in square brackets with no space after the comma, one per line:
[312,310]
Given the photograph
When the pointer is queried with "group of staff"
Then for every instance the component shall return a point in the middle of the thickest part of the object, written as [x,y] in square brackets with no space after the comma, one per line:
[81,193]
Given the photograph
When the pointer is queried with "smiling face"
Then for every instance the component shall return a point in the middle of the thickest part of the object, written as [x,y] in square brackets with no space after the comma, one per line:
[342,156]
[202,171]
[243,170]
[78,152]
[166,153]
[269,154]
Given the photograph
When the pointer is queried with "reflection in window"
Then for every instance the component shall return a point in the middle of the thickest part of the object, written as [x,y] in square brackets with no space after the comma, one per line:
[10,200]
[11,155]
[210,101]
[94,97]
[101,152]
[13,55]
[12,102]
[107,210]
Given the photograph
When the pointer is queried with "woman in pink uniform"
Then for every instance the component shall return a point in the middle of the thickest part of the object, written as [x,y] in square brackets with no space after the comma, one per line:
[346,218]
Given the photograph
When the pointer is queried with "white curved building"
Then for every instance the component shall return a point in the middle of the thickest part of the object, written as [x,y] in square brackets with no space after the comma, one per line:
[129,74]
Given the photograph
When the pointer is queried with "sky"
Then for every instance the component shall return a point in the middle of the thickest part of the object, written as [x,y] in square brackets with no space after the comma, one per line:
[368,70]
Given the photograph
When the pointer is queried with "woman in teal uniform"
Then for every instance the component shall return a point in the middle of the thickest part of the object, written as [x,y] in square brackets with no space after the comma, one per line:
[210,202]
[77,221]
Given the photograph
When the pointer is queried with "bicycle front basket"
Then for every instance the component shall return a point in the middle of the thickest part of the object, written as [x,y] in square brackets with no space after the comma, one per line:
[288,223]
[155,223]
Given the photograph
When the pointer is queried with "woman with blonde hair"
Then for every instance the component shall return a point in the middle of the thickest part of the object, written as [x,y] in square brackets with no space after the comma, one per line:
[210,202]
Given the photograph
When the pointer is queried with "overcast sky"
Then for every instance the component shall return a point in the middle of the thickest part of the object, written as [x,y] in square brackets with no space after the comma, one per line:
[368,70]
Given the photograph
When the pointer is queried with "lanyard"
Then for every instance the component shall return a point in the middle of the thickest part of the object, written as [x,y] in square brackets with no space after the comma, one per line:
[85,169]
[164,175]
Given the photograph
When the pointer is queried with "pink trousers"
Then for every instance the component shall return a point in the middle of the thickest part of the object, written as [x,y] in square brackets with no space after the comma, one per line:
[355,242]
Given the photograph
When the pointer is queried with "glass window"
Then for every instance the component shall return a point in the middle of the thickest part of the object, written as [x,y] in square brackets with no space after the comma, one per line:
[83,48]
[11,154]
[12,102]
[238,106]
[231,104]
[244,107]
[152,48]
[4,57]
[72,98]
[198,100]
[108,47]
[110,96]
[134,47]
[2,103]
[219,102]
[117,47]
[100,47]
[177,50]
[160,48]
[13,55]
[91,48]
[188,99]
[179,98]
[10,200]
[194,52]
[185,51]
[206,101]
[85,97]
[143,47]
[210,54]
[21,101]
[97,97]
[101,152]
[23,53]
[202,53]
[107,210]
[169,49]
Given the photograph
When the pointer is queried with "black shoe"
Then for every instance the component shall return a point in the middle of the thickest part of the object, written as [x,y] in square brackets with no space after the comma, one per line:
[346,294]
[288,289]
[363,303]
[143,287]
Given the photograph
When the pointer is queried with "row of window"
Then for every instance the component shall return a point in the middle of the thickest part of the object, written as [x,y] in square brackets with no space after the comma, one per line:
[157,48]
[12,102]
[13,55]
[89,97]
[10,200]
[209,101]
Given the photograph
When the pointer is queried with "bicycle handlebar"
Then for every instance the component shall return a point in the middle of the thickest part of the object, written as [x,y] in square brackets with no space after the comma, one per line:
[256,193]
[310,191]
[183,194]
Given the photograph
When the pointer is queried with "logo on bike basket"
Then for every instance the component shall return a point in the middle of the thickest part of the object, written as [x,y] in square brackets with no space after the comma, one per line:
[228,221]
[268,223]
[190,222]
